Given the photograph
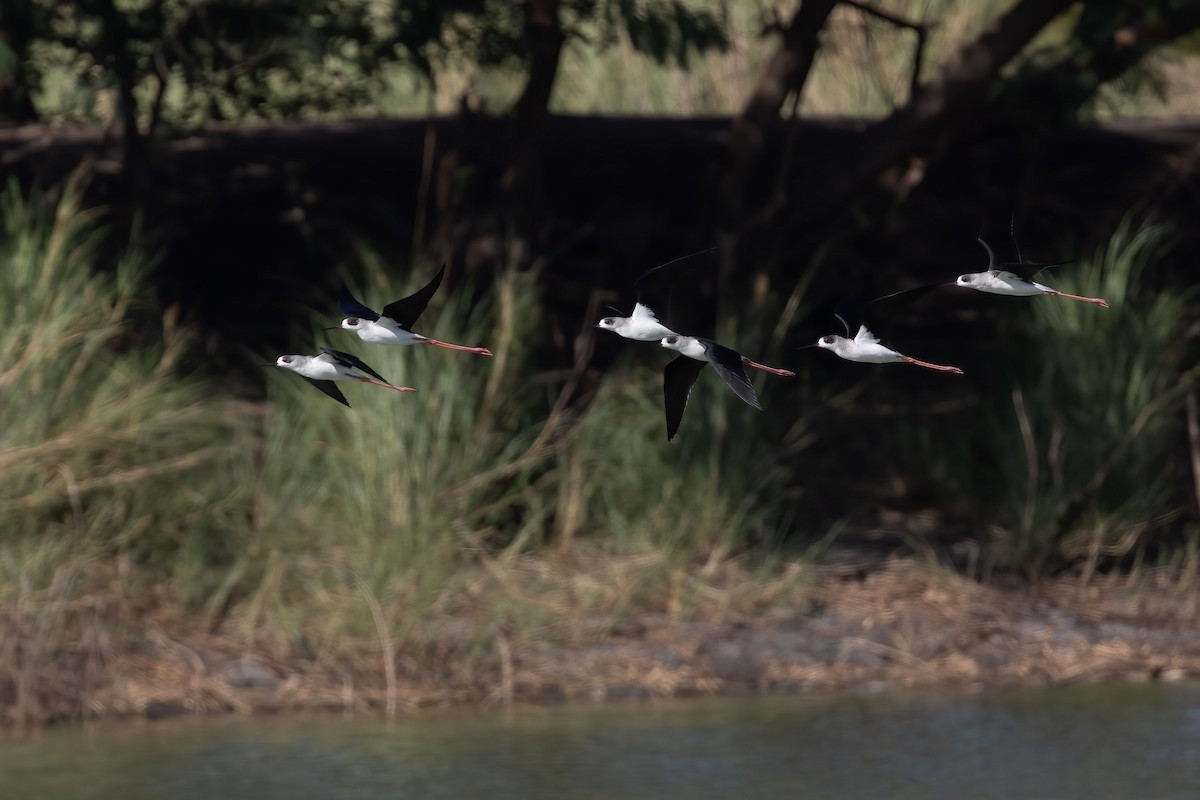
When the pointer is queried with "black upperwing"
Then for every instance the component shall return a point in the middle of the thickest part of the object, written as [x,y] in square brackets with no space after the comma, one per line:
[1025,270]
[408,310]
[728,364]
[679,377]
[861,309]
[330,388]
[661,299]
[347,360]
[349,306]
[641,278]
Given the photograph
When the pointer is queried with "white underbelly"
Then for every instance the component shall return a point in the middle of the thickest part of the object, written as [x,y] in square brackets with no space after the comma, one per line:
[873,354]
[646,331]
[378,334]
[1013,287]
[321,371]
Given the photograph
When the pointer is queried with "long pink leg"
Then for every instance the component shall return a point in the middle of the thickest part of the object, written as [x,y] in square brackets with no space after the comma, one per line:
[388,385]
[483,351]
[787,373]
[1093,300]
[927,365]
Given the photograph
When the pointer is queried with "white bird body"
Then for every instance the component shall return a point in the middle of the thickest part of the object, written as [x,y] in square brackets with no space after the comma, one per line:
[394,324]
[642,325]
[866,349]
[334,365]
[689,346]
[997,280]
[680,375]
[381,331]
[321,368]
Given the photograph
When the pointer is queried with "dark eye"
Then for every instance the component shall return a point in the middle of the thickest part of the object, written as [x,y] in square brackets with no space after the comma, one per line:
[827,340]
[287,359]
[672,339]
[607,321]
[966,278]
[352,321]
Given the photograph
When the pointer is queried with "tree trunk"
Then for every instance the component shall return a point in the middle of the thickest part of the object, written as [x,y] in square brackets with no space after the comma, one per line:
[519,183]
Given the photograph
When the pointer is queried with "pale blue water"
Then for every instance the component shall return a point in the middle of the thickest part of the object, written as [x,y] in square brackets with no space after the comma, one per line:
[1122,742]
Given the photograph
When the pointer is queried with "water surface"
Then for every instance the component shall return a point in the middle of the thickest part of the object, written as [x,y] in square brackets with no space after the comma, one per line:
[1122,742]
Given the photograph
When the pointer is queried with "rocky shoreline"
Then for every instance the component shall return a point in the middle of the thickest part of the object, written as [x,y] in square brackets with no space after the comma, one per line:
[903,624]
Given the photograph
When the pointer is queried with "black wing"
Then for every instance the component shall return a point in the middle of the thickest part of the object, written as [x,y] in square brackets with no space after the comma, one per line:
[893,302]
[678,379]
[852,311]
[1025,270]
[861,309]
[347,360]
[638,283]
[352,308]
[728,364]
[991,253]
[408,310]
[330,388]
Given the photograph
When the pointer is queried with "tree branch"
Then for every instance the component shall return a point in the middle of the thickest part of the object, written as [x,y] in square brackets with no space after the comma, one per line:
[920,30]
[936,108]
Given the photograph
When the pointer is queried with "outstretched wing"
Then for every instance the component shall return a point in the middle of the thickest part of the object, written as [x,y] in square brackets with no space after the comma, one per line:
[728,364]
[990,252]
[1025,270]
[679,377]
[352,308]
[408,310]
[851,310]
[864,336]
[638,283]
[643,312]
[330,388]
[347,360]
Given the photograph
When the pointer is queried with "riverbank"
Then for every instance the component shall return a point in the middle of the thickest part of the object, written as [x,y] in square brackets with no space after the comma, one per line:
[901,623]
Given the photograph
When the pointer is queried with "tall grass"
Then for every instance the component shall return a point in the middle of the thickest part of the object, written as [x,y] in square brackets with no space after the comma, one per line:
[100,439]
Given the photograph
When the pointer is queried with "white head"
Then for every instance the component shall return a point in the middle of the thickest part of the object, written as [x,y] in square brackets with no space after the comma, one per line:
[613,323]
[832,342]
[288,362]
[354,323]
[969,280]
[675,342]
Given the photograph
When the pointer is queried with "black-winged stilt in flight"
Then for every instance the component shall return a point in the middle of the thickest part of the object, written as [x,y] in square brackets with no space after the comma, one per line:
[643,325]
[394,324]
[865,347]
[333,365]
[694,352]
[1015,279]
